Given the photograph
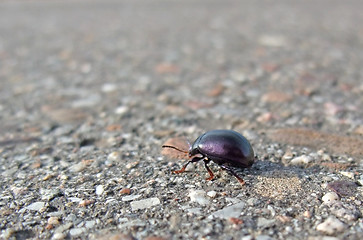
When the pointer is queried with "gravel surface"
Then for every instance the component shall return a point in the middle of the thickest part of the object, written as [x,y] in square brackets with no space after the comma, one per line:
[91,90]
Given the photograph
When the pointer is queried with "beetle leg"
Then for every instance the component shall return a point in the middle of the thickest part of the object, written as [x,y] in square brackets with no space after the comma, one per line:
[224,167]
[211,175]
[195,159]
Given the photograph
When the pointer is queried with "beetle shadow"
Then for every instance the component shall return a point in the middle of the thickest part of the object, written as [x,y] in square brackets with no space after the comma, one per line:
[272,180]
[273,169]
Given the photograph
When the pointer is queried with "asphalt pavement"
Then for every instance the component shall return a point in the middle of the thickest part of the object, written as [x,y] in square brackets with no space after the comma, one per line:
[91,90]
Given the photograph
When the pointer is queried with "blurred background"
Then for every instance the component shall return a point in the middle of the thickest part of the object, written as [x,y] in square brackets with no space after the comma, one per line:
[200,64]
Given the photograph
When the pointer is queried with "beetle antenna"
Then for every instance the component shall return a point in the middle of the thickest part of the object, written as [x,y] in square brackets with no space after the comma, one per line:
[168,146]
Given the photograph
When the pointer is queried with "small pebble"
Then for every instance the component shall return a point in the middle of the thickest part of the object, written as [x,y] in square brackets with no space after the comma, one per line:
[194,210]
[19,190]
[331,226]
[74,199]
[63,227]
[307,214]
[108,87]
[235,221]
[272,40]
[84,203]
[78,167]
[8,233]
[329,238]
[264,237]
[99,190]
[198,196]
[301,160]
[37,206]
[76,231]
[130,197]
[233,211]
[330,197]
[326,157]
[263,223]
[125,191]
[272,210]
[59,236]
[284,218]
[144,203]
[53,221]
[121,110]
[89,101]
[114,157]
[347,174]
[132,164]
[212,194]
[49,194]
[90,224]
[47,177]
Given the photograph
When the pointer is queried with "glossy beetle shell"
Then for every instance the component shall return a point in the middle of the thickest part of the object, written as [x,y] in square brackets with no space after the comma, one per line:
[224,147]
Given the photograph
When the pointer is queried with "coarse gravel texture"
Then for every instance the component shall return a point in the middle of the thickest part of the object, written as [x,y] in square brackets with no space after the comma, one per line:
[90,90]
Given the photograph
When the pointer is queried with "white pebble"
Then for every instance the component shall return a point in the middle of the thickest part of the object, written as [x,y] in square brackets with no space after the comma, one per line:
[212,194]
[114,157]
[331,226]
[330,197]
[108,87]
[326,157]
[90,224]
[229,212]
[74,199]
[301,160]
[76,231]
[99,190]
[144,203]
[347,174]
[37,206]
[121,110]
[130,197]
[78,167]
[59,236]
[272,40]
[198,196]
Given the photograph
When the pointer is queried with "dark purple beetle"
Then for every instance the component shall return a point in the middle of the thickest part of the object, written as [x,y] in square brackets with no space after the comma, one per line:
[226,148]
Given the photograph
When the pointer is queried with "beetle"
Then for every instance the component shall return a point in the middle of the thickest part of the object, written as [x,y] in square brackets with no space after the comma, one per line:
[226,148]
